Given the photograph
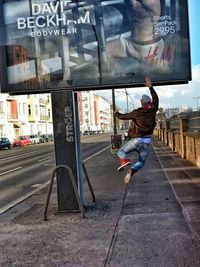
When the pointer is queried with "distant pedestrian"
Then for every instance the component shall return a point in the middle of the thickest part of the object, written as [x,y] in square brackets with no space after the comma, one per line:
[140,131]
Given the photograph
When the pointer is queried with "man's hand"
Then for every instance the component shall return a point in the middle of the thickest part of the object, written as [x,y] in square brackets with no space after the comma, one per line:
[148,82]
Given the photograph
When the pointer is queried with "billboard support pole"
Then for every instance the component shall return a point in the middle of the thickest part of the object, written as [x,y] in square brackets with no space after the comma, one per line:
[114,107]
[67,148]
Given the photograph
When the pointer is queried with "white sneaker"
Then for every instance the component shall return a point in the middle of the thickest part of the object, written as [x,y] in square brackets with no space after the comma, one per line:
[128,176]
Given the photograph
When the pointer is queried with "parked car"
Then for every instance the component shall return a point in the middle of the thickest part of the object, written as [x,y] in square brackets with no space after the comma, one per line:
[44,138]
[5,143]
[50,137]
[35,139]
[22,141]
[86,132]
[90,132]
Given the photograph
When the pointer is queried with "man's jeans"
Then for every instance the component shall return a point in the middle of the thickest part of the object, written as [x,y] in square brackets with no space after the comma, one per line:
[135,145]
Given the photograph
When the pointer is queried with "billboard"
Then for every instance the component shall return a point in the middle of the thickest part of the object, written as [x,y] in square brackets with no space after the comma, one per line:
[70,44]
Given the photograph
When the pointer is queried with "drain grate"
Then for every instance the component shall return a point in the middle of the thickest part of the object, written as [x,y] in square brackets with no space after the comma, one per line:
[98,210]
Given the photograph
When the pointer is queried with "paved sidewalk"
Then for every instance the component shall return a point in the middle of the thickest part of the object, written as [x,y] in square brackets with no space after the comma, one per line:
[153,221]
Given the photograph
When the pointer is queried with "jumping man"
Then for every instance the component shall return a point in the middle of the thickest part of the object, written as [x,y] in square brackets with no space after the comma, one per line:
[140,131]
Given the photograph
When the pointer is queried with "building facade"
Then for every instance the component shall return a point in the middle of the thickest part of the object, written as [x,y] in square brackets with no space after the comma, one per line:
[32,114]
[94,112]
[25,115]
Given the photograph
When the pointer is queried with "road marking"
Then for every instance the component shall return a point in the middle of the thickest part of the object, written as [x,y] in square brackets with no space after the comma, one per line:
[94,137]
[24,154]
[180,169]
[40,187]
[186,181]
[45,158]
[99,152]
[86,139]
[10,171]
[19,200]
[35,185]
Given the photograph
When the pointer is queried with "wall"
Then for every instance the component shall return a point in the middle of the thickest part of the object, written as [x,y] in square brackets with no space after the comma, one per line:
[183,139]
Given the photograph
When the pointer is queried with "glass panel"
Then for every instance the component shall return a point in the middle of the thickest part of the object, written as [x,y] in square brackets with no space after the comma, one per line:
[86,44]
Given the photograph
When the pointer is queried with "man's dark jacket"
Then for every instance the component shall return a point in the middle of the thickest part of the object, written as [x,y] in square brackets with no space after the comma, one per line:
[143,119]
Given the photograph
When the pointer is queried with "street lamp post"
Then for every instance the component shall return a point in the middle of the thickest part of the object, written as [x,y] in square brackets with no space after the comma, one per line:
[114,118]
[127,103]
[197,99]
[127,96]
[46,118]
[127,108]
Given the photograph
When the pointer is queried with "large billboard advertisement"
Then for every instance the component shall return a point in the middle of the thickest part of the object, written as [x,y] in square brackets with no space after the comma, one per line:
[71,44]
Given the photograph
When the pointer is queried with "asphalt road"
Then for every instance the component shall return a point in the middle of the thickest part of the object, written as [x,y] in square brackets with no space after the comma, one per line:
[25,170]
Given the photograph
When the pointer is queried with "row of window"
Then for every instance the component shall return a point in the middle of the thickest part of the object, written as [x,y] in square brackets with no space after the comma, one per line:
[22,109]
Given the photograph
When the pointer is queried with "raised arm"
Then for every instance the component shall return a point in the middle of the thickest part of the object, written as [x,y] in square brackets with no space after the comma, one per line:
[126,116]
[154,95]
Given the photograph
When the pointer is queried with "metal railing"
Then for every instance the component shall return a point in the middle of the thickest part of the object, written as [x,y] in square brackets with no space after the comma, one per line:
[68,169]
[173,123]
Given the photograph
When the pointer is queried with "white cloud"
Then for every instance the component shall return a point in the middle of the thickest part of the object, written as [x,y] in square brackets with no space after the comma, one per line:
[181,95]
[169,95]
[196,73]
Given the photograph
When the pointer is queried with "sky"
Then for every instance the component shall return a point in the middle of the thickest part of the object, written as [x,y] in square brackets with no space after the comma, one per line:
[174,95]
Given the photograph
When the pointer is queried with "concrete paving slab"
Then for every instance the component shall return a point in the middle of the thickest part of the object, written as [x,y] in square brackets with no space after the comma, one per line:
[148,193]
[153,207]
[187,192]
[192,213]
[64,240]
[154,240]
[176,174]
